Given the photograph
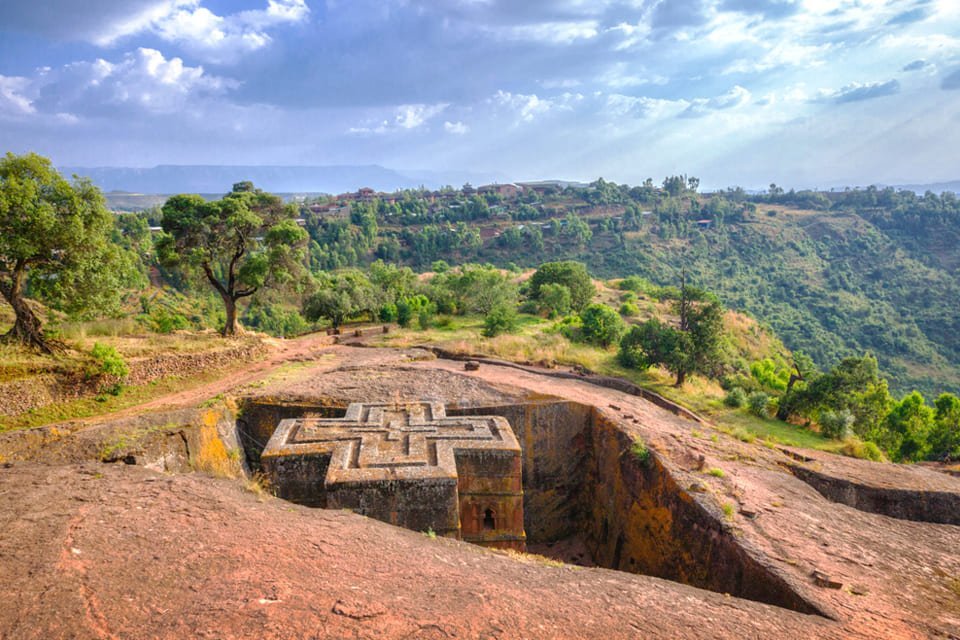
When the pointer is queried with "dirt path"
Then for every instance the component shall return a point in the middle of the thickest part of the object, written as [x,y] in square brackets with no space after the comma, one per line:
[281,352]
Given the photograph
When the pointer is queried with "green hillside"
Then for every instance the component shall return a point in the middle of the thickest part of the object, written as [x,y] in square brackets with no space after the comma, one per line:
[833,274]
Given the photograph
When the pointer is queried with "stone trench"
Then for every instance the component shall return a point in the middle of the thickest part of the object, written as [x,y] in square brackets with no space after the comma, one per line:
[588,500]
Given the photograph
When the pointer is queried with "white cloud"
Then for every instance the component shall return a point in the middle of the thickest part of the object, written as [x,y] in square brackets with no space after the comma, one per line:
[224,39]
[456,128]
[528,107]
[736,97]
[406,117]
[621,75]
[618,106]
[783,54]
[196,28]
[551,32]
[143,80]
[13,100]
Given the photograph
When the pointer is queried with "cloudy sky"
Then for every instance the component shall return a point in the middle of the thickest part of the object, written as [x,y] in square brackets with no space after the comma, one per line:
[738,92]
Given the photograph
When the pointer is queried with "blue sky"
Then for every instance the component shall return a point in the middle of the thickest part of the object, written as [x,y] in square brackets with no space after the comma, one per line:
[738,92]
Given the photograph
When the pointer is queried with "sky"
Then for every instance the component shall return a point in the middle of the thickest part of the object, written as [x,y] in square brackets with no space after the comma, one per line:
[804,93]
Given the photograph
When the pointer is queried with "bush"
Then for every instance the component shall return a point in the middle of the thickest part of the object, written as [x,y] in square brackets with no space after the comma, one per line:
[855,448]
[424,319]
[572,275]
[629,309]
[601,325]
[162,320]
[388,313]
[736,397]
[836,424]
[759,404]
[275,320]
[404,313]
[554,300]
[640,451]
[501,319]
[108,364]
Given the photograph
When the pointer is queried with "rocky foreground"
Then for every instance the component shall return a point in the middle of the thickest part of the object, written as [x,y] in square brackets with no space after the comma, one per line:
[93,550]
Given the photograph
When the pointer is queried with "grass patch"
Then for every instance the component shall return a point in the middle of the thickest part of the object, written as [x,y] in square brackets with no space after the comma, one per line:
[640,451]
[716,472]
[728,510]
[534,558]
[259,486]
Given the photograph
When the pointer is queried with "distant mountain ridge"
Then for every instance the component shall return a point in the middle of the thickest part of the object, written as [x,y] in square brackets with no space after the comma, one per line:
[935,187]
[168,179]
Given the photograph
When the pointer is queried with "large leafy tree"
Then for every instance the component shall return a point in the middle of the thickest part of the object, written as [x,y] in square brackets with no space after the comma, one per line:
[945,435]
[572,275]
[692,346]
[54,246]
[853,385]
[240,244]
[345,295]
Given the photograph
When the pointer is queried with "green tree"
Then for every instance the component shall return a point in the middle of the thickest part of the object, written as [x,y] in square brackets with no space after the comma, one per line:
[945,435]
[475,288]
[554,300]
[701,323]
[853,385]
[54,244]
[691,347]
[572,275]
[907,427]
[577,228]
[601,325]
[347,294]
[501,319]
[652,343]
[242,243]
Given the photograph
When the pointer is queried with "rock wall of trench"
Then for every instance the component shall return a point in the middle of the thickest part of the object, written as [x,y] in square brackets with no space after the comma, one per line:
[906,504]
[640,520]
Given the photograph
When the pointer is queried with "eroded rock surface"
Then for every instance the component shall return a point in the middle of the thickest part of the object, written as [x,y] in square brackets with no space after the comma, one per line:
[114,550]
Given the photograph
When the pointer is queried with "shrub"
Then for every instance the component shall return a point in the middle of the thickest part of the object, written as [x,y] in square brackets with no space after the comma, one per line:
[572,275]
[404,313]
[388,312]
[629,309]
[424,319]
[864,450]
[162,320]
[554,299]
[640,451]
[501,319]
[836,424]
[419,307]
[736,397]
[759,404]
[276,320]
[716,472]
[110,365]
[601,325]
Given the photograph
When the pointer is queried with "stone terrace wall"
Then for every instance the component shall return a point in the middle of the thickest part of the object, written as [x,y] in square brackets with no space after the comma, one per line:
[19,396]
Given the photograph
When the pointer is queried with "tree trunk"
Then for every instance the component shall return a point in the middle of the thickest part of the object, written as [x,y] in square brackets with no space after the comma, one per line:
[26,328]
[783,409]
[681,377]
[232,326]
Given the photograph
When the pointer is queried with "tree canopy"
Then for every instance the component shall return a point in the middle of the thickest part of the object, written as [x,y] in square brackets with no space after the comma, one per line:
[54,246]
[242,243]
[572,275]
[693,346]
